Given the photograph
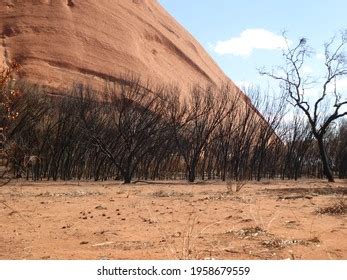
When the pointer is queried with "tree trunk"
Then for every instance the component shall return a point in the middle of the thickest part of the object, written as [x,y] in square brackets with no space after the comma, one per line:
[326,167]
[191,174]
[127,179]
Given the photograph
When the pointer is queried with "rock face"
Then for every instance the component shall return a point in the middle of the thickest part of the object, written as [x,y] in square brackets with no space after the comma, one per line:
[59,42]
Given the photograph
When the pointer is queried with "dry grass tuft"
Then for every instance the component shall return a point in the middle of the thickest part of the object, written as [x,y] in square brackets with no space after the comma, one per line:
[338,207]
[249,232]
[235,186]
[283,243]
[162,193]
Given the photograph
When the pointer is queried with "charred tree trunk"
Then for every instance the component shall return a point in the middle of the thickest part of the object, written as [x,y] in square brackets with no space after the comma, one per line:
[325,161]
[191,174]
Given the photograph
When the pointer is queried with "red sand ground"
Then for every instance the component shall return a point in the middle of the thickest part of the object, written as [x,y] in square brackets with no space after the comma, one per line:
[107,220]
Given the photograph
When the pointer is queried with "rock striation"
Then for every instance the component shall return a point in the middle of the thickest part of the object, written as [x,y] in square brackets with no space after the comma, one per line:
[59,42]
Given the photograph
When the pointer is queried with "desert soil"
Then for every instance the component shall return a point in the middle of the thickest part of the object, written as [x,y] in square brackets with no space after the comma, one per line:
[108,220]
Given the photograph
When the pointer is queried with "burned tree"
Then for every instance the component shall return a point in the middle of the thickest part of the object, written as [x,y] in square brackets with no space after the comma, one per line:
[298,140]
[341,151]
[195,119]
[294,83]
[126,125]
[267,124]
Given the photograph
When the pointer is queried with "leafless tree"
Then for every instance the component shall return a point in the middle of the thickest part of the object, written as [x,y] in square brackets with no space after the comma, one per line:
[341,150]
[298,140]
[195,120]
[133,132]
[266,139]
[126,125]
[295,84]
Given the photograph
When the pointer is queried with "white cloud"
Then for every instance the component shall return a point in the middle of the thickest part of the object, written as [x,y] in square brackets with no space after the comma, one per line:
[249,40]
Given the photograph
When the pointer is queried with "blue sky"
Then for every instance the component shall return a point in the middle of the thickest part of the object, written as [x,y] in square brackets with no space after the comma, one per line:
[223,27]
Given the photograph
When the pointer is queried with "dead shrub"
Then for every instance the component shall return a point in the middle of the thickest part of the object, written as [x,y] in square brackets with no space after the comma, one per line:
[277,243]
[338,207]
[249,232]
[162,193]
[235,186]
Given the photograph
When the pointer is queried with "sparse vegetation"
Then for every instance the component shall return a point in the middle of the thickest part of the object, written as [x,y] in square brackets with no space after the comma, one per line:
[139,132]
[235,186]
[79,136]
[169,222]
[337,207]
[162,193]
[249,232]
[143,170]
[330,105]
